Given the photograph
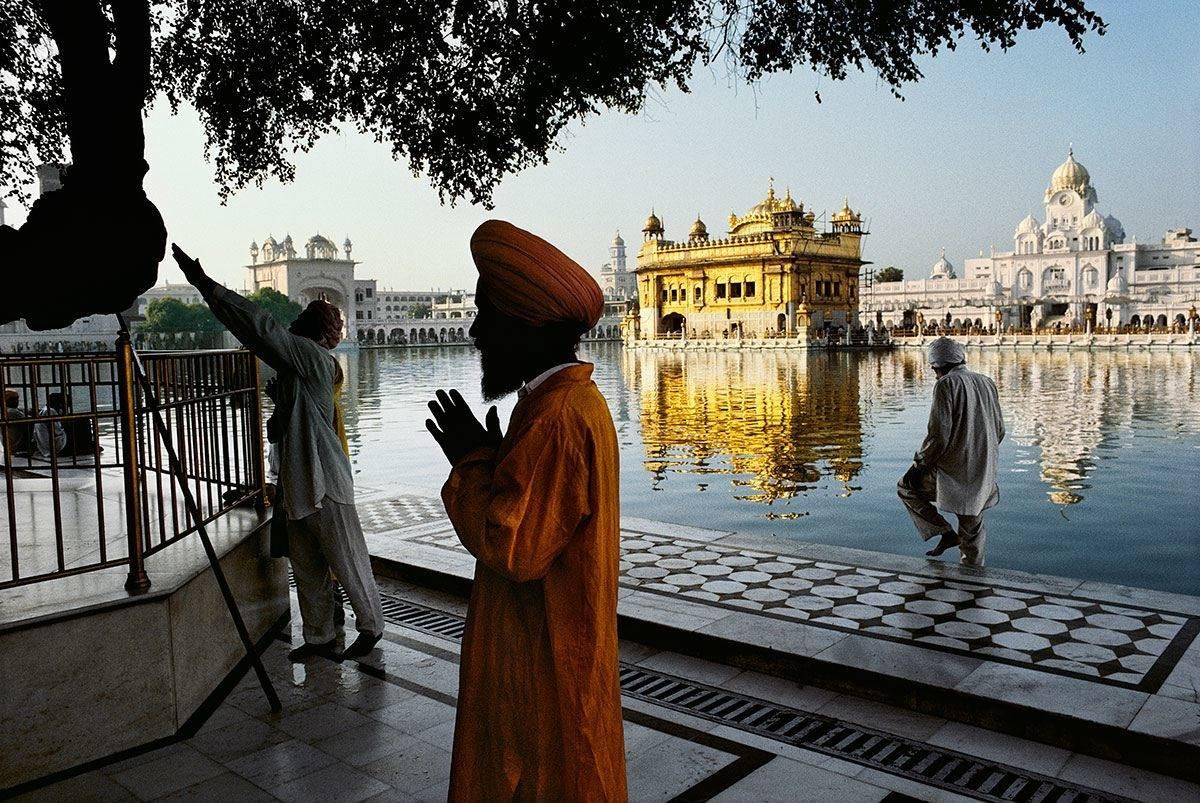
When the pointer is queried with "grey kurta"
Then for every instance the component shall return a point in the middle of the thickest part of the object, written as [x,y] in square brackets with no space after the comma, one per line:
[963,442]
[313,466]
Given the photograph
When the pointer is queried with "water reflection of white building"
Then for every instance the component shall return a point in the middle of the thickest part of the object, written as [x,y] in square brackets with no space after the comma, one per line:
[1106,393]
[1071,267]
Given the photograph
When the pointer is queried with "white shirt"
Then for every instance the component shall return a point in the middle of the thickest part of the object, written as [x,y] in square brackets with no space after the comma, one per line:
[42,439]
[312,465]
[963,441]
[532,384]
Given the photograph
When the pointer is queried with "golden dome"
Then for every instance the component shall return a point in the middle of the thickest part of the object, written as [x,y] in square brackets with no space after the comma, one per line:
[761,217]
[771,204]
[653,225]
[846,214]
[698,231]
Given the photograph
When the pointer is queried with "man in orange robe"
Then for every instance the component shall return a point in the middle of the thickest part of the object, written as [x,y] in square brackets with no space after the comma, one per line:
[539,703]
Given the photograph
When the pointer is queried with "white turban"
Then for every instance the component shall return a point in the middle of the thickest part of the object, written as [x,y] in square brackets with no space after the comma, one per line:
[944,352]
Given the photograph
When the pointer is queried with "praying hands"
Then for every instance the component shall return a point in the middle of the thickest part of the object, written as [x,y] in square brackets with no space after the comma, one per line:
[457,430]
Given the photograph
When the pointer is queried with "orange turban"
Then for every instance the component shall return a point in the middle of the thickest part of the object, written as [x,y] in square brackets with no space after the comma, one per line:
[529,279]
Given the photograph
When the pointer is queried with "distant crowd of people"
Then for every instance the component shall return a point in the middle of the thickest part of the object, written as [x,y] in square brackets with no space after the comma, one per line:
[42,433]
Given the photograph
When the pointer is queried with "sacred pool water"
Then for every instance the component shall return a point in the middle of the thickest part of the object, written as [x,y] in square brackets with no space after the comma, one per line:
[1098,474]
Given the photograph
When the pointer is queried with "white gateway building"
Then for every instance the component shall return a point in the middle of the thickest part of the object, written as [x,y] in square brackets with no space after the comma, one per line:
[1073,268]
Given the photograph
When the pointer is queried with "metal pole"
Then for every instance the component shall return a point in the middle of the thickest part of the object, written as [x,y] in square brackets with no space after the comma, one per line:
[256,421]
[190,504]
[138,581]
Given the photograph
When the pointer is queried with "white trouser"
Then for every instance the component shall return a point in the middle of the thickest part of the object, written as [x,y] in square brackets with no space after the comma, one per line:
[972,535]
[332,538]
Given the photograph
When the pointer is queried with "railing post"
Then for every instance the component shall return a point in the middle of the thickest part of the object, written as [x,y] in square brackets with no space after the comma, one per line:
[138,581]
[260,474]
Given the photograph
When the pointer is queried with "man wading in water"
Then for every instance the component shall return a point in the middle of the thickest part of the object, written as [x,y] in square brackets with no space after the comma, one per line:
[955,468]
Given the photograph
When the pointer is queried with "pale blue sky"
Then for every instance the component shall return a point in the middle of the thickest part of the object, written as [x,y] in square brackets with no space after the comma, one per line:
[955,165]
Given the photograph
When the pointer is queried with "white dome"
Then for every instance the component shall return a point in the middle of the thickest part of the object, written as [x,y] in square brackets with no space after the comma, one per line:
[942,269]
[1117,285]
[1093,220]
[1071,175]
[1029,224]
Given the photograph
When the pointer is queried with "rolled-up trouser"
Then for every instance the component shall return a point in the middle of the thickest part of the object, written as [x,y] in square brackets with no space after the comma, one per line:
[332,538]
[918,500]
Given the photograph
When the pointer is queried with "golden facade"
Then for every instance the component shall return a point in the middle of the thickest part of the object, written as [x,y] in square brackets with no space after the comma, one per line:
[779,422]
[774,274]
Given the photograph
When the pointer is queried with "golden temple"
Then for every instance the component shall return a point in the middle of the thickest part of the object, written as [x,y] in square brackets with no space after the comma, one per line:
[773,275]
[781,423]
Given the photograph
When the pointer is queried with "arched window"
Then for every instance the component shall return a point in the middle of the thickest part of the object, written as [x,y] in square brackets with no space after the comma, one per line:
[1090,277]
[1053,277]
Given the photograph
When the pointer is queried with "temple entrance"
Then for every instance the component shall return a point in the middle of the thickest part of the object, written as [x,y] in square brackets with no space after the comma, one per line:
[673,323]
[781,323]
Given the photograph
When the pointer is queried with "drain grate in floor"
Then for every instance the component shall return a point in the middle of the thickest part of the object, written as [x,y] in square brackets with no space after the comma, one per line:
[895,755]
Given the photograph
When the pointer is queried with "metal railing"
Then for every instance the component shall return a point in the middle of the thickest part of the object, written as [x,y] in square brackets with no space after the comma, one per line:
[87,481]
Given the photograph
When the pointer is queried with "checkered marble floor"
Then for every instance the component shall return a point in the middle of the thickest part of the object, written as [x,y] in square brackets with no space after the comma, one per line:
[1117,645]
[398,512]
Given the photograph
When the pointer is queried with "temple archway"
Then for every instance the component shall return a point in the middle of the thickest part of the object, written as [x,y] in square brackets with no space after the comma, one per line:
[673,323]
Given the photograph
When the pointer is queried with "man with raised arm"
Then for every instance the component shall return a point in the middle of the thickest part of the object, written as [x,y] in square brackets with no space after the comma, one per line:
[539,704]
[955,468]
[315,487]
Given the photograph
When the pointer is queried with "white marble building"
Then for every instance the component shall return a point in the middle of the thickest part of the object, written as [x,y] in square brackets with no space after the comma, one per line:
[1074,267]
[184,293]
[371,314]
[616,280]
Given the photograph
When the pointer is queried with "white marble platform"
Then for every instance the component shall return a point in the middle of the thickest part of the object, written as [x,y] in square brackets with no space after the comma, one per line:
[382,730]
[1078,664]
[90,670]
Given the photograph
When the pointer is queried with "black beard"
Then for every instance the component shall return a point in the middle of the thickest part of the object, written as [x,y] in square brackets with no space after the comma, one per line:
[500,376]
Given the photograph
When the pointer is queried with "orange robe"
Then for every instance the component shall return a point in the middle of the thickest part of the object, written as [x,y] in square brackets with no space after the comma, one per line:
[539,701]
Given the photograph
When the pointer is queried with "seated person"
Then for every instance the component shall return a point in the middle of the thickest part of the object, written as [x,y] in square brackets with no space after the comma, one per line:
[20,433]
[50,438]
[81,438]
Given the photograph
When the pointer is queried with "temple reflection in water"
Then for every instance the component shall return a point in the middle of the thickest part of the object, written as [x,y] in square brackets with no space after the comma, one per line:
[781,422]
[1098,470]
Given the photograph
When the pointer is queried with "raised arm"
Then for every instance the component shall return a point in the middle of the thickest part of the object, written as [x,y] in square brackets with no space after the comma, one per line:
[250,324]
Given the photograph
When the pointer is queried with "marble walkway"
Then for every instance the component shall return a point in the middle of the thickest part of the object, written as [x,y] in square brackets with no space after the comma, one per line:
[382,730]
[1124,661]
